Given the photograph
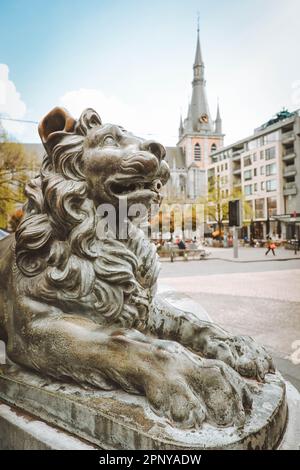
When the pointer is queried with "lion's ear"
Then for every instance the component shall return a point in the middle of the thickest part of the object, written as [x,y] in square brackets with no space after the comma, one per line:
[88,119]
[54,125]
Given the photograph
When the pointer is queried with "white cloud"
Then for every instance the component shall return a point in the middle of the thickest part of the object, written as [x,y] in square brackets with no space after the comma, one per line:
[110,108]
[11,104]
[144,119]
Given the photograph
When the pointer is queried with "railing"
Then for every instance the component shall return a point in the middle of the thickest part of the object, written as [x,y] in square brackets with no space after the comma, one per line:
[289,156]
[288,136]
[289,169]
[236,154]
[291,185]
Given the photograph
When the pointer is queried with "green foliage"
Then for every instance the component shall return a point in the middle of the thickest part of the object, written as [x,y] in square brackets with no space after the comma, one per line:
[216,205]
[15,166]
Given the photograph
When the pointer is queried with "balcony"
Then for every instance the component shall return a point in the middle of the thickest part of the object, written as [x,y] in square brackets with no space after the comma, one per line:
[288,137]
[289,156]
[236,155]
[237,182]
[289,171]
[289,189]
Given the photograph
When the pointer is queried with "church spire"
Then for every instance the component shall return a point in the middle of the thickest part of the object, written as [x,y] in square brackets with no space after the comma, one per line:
[201,120]
[181,129]
[218,121]
[198,56]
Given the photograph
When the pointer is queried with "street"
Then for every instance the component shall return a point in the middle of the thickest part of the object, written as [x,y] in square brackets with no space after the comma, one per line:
[255,295]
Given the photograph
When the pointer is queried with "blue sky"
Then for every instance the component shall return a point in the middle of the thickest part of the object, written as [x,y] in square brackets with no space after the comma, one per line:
[132,61]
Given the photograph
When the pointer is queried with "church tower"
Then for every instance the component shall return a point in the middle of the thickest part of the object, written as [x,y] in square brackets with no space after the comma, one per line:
[199,135]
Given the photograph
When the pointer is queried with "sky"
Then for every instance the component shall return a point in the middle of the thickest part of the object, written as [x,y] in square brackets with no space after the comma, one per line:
[131,60]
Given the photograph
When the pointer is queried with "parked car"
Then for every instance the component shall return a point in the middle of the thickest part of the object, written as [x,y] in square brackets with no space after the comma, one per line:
[3,233]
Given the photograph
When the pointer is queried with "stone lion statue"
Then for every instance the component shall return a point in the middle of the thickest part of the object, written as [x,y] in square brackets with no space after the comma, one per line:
[77,307]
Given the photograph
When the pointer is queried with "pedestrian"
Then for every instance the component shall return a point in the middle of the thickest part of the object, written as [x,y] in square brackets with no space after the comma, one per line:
[271,246]
[181,245]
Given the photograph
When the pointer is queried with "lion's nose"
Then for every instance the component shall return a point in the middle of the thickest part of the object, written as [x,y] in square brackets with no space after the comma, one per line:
[156,185]
[154,147]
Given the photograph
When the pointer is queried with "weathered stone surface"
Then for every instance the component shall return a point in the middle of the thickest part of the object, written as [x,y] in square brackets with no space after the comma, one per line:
[291,437]
[117,420]
[21,431]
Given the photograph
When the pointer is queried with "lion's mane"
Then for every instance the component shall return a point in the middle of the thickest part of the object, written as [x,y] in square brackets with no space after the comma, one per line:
[58,252]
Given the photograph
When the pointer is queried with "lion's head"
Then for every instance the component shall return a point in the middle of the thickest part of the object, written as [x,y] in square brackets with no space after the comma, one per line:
[89,163]
[114,163]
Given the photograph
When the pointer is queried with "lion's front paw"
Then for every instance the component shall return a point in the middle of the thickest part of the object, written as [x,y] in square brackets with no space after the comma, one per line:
[240,352]
[174,399]
[189,390]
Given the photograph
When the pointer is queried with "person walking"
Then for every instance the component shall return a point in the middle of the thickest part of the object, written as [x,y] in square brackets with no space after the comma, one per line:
[271,246]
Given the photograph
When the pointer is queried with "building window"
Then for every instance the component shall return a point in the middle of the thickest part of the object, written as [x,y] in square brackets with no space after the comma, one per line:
[271,169]
[270,153]
[272,206]
[197,152]
[247,161]
[253,144]
[273,137]
[271,185]
[262,170]
[213,148]
[255,172]
[254,157]
[262,185]
[255,187]
[262,140]
[247,175]
[226,166]
[248,190]
[259,208]
[261,154]
[182,185]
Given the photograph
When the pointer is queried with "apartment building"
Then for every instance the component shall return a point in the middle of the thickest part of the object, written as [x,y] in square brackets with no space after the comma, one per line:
[265,169]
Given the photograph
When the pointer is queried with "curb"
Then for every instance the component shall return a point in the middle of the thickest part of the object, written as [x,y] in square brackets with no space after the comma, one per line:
[164,260]
[254,260]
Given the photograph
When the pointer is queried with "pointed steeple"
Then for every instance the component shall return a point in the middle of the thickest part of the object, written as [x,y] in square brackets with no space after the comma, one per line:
[181,129]
[201,119]
[218,121]
[198,57]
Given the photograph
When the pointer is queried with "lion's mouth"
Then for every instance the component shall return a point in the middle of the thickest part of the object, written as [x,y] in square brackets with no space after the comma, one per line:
[128,188]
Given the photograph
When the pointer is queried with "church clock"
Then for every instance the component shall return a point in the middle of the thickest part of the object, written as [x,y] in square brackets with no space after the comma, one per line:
[203,118]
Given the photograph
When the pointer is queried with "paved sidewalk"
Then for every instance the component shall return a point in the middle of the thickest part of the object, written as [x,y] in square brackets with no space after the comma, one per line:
[261,300]
[246,255]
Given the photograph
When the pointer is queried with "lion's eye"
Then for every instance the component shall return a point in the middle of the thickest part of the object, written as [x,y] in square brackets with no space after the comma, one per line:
[109,141]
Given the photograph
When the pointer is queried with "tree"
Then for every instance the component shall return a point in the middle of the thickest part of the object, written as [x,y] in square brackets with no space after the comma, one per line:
[216,203]
[15,166]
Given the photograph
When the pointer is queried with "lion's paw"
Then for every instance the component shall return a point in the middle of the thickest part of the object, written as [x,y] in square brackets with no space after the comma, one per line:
[191,390]
[242,353]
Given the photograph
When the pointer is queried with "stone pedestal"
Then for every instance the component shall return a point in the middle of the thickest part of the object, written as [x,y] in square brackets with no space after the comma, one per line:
[22,431]
[117,420]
